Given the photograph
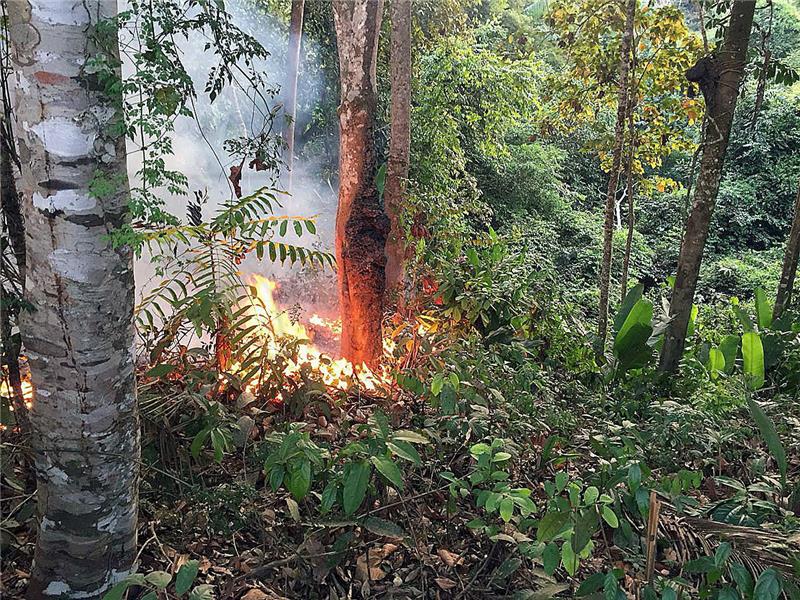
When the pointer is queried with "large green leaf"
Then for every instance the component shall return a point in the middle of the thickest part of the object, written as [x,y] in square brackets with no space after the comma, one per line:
[753,355]
[630,345]
[186,576]
[298,479]
[770,435]
[551,525]
[716,362]
[387,467]
[356,480]
[763,310]
[729,348]
[631,298]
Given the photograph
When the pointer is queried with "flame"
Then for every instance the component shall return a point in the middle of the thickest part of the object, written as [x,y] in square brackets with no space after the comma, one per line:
[274,324]
[27,388]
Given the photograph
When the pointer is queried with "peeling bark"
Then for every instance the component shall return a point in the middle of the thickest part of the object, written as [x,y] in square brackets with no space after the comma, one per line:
[400,142]
[613,178]
[788,273]
[79,340]
[361,225]
[295,39]
[719,78]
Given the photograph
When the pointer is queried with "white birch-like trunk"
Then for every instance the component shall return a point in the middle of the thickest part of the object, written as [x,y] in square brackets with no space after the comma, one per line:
[79,340]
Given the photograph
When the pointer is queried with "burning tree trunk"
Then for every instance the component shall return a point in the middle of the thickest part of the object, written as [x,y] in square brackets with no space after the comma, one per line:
[790,258]
[613,179]
[400,143]
[361,225]
[719,77]
[79,340]
[295,39]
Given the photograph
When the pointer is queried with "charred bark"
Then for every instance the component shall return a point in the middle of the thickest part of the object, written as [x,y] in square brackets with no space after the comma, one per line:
[613,179]
[719,78]
[788,273]
[361,225]
[400,143]
[80,337]
[295,40]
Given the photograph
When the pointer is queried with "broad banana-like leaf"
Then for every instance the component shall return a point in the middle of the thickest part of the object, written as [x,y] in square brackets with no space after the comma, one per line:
[753,355]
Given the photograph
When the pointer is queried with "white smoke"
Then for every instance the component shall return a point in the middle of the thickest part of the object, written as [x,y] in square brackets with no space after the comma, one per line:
[199,153]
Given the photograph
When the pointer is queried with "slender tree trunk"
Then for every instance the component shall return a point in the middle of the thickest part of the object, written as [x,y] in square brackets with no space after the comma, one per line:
[80,339]
[400,144]
[613,179]
[719,78]
[629,191]
[290,107]
[361,225]
[786,284]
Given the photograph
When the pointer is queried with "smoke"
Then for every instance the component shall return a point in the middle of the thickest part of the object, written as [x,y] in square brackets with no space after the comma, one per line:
[199,154]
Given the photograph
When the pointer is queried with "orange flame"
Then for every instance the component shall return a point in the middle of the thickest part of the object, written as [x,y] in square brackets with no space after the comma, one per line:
[273,324]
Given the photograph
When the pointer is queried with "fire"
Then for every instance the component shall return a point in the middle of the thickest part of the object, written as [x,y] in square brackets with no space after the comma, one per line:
[274,324]
[27,389]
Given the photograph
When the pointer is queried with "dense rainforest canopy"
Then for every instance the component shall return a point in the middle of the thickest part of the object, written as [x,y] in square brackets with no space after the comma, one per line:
[400,299]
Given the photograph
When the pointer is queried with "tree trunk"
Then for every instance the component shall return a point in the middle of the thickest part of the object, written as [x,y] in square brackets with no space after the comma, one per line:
[613,179]
[629,191]
[361,225]
[786,284]
[400,143]
[719,78]
[290,106]
[80,339]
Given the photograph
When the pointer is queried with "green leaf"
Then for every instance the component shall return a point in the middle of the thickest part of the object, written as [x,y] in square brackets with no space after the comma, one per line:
[202,592]
[763,310]
[383,527]
[551,525]
[404,450]
[186,576]
[609,516]
[116,592]
[716,362]
[727,593]
[591,495]
[380,179]
[729,348]
[630,344]
[744,581]
[410,436]
[770,435]
[753,355]
[356,481]
[506,508]
[388,469]
[631,298]
[768,585]
[569,558]
[198,442]
[591,584]
[160,370]
[722,553]
[298,478]
[159,579]
[551,558]
[585,527]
